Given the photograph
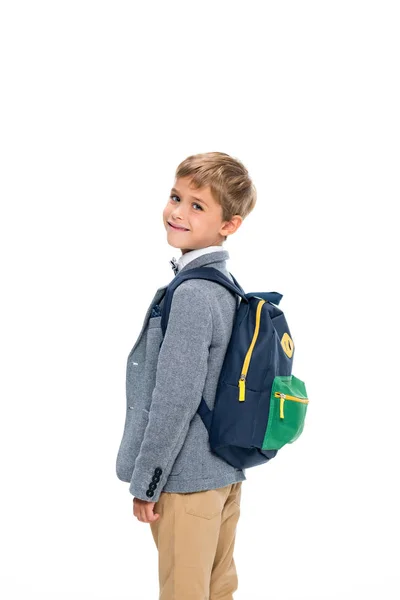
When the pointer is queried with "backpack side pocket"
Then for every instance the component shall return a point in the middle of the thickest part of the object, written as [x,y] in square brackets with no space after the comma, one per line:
[287,412]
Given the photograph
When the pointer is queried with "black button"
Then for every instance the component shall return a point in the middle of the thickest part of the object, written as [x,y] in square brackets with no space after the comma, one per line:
[155,478]
[149,493]
[158,471]
[152,485]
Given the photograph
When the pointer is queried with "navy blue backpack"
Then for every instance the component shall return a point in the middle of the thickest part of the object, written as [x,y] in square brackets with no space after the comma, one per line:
[259,405]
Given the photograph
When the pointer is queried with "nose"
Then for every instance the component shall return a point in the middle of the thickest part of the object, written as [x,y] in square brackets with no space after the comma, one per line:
[176,213]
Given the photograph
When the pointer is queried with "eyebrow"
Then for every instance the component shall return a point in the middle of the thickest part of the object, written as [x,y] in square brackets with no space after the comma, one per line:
[194,197]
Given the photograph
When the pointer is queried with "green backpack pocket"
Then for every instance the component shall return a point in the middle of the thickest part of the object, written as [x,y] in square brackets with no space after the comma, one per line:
[287,412]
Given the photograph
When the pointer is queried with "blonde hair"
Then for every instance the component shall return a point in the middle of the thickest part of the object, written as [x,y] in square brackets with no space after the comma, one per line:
[228,179]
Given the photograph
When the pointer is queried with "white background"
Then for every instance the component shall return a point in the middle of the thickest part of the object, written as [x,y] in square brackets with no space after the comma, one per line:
[100,101]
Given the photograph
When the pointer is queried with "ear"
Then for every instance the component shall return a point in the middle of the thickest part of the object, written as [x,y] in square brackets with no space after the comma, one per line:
[229,227]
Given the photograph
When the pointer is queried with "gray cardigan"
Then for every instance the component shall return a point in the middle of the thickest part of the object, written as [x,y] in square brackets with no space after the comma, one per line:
[165,444]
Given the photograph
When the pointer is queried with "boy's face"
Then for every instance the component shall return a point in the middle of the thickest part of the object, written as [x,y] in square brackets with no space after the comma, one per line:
[198,213]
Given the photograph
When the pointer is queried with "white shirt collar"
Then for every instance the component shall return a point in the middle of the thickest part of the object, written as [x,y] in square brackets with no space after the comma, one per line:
[192,254]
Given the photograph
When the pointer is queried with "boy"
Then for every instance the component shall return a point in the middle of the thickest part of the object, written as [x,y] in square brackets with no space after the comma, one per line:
[188,495]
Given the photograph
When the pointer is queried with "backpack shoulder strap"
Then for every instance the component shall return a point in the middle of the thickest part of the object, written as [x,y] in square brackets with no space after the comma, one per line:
[209,273]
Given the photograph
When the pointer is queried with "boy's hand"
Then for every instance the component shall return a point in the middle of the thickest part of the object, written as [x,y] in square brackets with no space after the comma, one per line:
[143,510]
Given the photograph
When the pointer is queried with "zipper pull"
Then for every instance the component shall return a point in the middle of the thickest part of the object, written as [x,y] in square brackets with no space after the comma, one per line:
[242,385]
[283,396]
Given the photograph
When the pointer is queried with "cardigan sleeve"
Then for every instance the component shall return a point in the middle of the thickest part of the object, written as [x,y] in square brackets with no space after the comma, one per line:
[180,377]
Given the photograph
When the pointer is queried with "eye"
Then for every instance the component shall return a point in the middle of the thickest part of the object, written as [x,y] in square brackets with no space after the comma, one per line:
[193,204]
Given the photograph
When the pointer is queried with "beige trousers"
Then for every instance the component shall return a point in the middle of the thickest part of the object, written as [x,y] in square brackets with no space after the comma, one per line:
[195,538]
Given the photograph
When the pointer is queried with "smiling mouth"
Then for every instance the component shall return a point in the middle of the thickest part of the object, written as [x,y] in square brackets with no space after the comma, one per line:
[177,228]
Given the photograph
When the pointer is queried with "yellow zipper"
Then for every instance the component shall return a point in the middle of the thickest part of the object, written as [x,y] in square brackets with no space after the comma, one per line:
[284,397]
[242,380]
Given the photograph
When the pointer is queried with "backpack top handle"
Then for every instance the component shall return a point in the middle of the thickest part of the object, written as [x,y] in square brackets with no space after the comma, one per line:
[273,297]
